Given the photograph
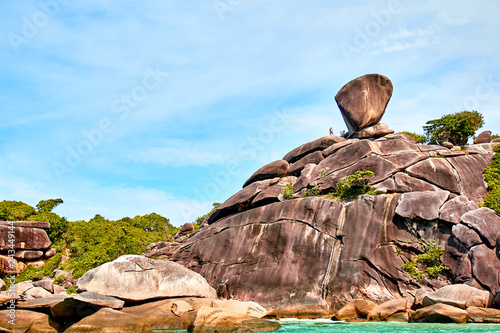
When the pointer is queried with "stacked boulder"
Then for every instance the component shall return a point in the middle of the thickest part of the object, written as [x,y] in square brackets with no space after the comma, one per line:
[28,245]
[310,256]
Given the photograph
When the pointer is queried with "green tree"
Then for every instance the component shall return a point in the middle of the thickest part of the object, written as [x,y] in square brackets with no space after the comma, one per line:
[492,177]
[58,224]
[15,210]
[456,128]
[47,205]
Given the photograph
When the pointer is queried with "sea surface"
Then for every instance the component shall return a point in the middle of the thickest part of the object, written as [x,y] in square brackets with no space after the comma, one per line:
[328,326]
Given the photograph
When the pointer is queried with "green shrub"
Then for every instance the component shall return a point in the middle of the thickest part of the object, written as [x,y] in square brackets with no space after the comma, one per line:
[71,290]
[417,137]
[430,260]
[60,279]
[312,192]
[288,191]
[492,177]
[31,272]
[353,185]
[455,128]
[15,210]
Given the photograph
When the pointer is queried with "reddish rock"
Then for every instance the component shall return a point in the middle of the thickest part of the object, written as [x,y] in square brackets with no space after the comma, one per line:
[453,210]
[305,177]
[46,283]
[28,255]
[355,310]
[470,170]
[485,222]
[424,205]
[437,171]
[467,236]
[268,196]
[50,253]
[483,315]
[310,147]
[485,267]
[26,224]
[448,145]
[113,321]
[313,158]
[460,296]
[382,311]
[363,100]
[405,183]
[25,238]
[483,137]
[28,321]
[336,146]
[439,313]
[238,202]
[374,131]
[274,169]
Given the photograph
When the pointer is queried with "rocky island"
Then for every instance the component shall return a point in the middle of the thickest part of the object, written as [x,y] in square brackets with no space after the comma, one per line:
[416,244]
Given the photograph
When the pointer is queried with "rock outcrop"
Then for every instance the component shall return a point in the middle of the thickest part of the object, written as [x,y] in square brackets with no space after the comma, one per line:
[363,100]
[156,278]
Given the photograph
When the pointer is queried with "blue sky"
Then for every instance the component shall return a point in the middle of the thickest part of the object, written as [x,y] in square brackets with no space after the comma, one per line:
[124,108]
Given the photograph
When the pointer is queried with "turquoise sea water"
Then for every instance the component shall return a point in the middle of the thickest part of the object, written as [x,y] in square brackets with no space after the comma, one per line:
[328,326]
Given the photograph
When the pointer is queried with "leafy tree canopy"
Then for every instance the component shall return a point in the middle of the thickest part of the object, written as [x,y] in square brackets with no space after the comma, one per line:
[46,206]
[456,128]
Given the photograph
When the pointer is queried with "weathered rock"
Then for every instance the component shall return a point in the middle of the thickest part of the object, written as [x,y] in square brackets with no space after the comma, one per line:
[485,267]
[25,238]
[305,177]
[336,146]
[238,202]
[448,145]
[22,287]
[470,171]
[439,313]
[251,309]
[483,315]
[3,286]
[274,169]
[28,321]
[28,255]
[467,236]
[268,195]
[310,147]
[363,100]
[45,302]
[453,210]
[99,300]
[424,205]
[313,158]
[50,253]
[437,171]
[460,296]
[46,283]
[382,311]
[36,292]
[419,298]
[26,224]
[210,320]
[113,321]
[483,137]
[405,183]
[485,222]
[374,131]
[184,230]
[355,310]
[157,278]
[180,308]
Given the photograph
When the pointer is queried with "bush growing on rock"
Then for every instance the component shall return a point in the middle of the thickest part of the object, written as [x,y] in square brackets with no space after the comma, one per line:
[353,185]
[37,273]
[456,128]
[492,177]
[430,259]
[417,137]
[288,191]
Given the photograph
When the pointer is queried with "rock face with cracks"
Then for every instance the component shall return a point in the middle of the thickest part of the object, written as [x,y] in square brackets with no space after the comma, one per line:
[310,256]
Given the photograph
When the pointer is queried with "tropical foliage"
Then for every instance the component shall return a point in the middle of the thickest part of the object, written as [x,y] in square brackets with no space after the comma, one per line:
[456,128]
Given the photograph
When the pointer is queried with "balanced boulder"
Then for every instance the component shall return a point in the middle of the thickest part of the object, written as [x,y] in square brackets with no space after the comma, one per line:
[363,100]
[483,137]
[156,278]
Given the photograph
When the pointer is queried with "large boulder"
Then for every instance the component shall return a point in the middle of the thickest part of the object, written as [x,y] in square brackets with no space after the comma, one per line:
[109,320]
[483,137]
[356,310]
[459,295]
[485,222]
[363,100]
[439,313]
[423,205]
[483,315]
[209,320]
[383,311]
[310,147]
[27,321]
[25,238]
[157,278]
[274,169]
[453,210]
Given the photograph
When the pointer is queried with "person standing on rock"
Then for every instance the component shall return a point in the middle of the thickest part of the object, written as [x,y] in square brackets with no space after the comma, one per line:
[331,131]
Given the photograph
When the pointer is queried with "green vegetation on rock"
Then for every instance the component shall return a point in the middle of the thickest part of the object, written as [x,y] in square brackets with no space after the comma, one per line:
[37,273]
[417,137]
[492,177]
[353,185]
[430,261]
[288,191]
[456,128]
